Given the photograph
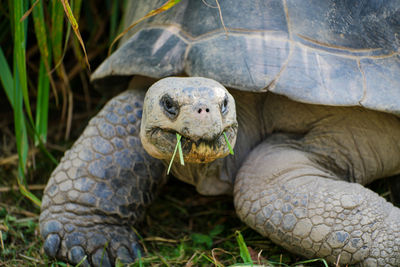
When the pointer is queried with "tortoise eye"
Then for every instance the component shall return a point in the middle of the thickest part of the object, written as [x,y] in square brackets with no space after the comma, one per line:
[171,108]
[224,105]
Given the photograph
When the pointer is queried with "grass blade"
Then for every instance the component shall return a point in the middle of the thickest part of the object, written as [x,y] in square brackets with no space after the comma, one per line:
[82,260]
[57,22]
[75,27]
[11,11]
[113,19]
[20,96]
[178,138]
[42,106]
[19,52]
[6,78]
[76,9]
[42,101]
[229,144]
[178,142]
[27,13]
[20,127]
[244,252]
[41,33]
[24,191]
[19,83]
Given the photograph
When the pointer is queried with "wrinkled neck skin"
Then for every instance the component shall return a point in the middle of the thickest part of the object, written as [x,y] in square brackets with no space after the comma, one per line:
[218,177]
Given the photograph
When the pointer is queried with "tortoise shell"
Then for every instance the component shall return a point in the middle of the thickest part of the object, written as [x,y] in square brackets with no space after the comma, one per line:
[332,52]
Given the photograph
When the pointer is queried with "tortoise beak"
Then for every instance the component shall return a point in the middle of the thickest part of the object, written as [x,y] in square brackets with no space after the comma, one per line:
[199,150]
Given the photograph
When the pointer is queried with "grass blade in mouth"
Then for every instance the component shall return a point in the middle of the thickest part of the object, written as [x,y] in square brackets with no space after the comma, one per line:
[178,138]
[177,147]
[229,144]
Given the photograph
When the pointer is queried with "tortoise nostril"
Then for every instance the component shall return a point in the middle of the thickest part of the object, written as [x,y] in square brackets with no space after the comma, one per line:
[200,110]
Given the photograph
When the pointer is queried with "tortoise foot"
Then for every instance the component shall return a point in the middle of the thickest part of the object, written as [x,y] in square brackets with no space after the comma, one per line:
[91,245]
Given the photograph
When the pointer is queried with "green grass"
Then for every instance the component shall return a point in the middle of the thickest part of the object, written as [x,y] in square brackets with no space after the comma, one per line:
[228,144]
[178,147]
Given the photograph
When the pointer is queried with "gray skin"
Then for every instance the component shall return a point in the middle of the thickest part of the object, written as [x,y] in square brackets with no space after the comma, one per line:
[296,175]
[315,88]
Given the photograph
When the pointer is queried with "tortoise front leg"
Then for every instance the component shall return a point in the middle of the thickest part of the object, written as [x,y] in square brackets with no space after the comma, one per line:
[285,195]
[101,188]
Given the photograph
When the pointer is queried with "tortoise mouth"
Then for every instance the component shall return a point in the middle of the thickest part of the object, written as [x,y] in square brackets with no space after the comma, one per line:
[194,150]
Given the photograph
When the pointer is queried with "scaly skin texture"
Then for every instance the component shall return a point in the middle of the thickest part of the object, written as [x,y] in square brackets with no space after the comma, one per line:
[297,190]
[101,188]
[304,208]
[297,174]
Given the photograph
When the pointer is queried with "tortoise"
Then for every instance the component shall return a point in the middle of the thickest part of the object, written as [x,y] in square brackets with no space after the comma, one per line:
[312,108]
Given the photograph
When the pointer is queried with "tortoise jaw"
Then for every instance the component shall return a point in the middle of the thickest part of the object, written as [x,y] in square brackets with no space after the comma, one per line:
[195,150]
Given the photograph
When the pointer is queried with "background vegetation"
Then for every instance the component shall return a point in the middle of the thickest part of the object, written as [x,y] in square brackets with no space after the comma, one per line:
[45,102]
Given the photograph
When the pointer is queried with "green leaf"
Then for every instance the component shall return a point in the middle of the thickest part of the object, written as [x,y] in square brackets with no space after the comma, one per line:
[244,252]
[6,78]
[201,239]
[217,230]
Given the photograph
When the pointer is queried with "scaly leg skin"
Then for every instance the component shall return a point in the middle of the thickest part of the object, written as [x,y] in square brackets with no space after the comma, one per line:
[101,188]
[285,195]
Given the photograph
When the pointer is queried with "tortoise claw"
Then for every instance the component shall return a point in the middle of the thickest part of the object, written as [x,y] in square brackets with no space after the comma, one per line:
[100,258]
[76,255]
[95,245]
[124,255]
[52,245]
[136,250]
